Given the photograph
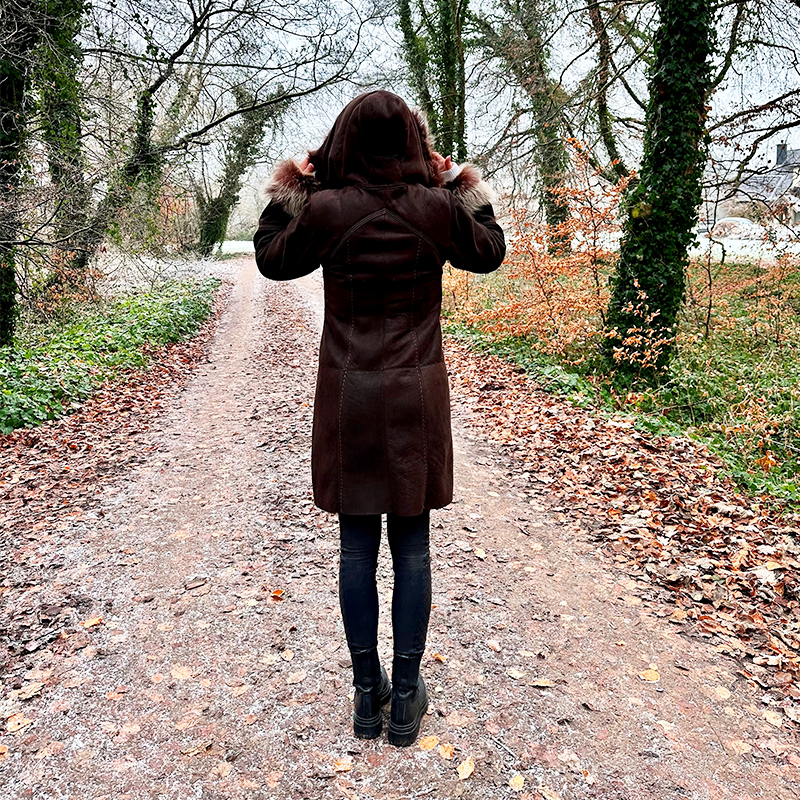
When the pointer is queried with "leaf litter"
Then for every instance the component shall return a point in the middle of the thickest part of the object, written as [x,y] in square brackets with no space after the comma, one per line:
[728,563]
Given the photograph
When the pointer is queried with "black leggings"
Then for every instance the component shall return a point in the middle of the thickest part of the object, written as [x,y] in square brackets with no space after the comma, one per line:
[358,593]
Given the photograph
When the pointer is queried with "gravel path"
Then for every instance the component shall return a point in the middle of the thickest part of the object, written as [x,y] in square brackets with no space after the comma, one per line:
[211,661]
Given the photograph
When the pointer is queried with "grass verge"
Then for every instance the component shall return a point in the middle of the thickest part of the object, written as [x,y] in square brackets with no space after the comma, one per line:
[737,392]
[58,362]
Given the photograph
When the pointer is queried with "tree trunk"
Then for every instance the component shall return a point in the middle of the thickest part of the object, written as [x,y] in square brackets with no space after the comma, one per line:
[241,150]
[17,39]
[56,77]
[648,289]
[521,46]
[438,60]
[143,162]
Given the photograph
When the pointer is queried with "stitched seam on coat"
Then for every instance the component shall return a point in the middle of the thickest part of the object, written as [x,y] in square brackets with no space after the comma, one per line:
[344,375]
[419,374]
[385,432]
[353,228]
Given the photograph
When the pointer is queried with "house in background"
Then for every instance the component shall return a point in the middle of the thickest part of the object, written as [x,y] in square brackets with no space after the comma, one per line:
[778,189]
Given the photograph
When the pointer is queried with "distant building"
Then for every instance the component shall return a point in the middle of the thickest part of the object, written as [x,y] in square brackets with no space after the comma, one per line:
[778,188]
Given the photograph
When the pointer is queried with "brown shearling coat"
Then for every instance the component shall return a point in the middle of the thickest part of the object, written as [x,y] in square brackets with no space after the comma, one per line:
[377,219]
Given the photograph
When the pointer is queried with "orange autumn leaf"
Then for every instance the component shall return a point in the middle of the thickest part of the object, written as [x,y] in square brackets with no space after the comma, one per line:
[447,751]
[17,721]
[428,742]
[181,673]
[517,782]
[91,622]
[439,657]
[650,675]
[466,768]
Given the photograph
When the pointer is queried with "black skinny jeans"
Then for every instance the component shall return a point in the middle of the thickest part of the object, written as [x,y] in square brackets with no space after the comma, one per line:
[409,542]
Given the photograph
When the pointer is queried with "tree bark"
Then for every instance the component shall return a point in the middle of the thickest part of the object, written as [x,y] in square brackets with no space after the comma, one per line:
[648,288]
[56,77]
[18,37]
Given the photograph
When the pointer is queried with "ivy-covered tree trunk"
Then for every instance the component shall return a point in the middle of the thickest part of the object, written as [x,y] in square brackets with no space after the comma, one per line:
[520,43]
[144,162]
[18,37]
[58,60]
[436,63]
[241,150]
[648,288]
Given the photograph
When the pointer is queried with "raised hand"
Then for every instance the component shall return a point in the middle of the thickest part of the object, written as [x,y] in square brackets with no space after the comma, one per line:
[306,167]
[440,162]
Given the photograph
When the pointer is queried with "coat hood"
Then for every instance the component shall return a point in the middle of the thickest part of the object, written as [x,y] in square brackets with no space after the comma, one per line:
[377,139]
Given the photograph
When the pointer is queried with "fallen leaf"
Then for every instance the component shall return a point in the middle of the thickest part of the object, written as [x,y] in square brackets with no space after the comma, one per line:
[287,655]
[459,718]
[3,752]
[428,742]
[480,553]
[273,779]
[277,594]
[493,644]
[541,683]
[181,673]
[29,690]
[738,747]
[548,794]
[722,692]
[223,769]
[296,677]
[773,717]
[344,764]
[238,691]
[187,722]
[665,726]
[439,657]
[466,768]
[650,675]
[515,673]
[53,749]
[446,751]
[17,721]
[157,677]
[91,622]
[517,782]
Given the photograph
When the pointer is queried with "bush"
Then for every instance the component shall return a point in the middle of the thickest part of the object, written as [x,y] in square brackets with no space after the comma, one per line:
[55,365]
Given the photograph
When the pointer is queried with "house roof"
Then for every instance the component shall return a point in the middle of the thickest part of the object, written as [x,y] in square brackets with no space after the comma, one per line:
[774,184]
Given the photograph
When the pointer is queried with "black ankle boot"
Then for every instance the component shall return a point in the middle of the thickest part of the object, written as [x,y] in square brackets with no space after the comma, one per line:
[372,691]
[409,700]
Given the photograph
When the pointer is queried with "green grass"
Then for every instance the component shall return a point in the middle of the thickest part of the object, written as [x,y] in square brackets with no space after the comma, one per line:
[56,364]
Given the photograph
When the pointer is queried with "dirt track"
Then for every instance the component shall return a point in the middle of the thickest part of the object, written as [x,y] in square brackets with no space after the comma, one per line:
[219,668]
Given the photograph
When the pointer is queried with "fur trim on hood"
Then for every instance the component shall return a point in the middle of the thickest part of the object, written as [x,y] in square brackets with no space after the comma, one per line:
[471,189]
[290,187]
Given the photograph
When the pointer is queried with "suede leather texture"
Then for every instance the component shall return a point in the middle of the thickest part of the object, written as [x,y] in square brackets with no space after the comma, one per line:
[381,440]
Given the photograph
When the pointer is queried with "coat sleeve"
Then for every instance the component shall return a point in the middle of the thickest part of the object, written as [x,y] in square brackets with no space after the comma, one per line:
[477,242]
[286,240]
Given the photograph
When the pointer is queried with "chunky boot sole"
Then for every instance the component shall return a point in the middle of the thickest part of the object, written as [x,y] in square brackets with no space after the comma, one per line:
[406,735]
[371,728]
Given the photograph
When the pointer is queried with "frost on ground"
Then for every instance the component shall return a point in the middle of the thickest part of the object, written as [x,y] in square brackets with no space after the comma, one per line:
[170,625]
